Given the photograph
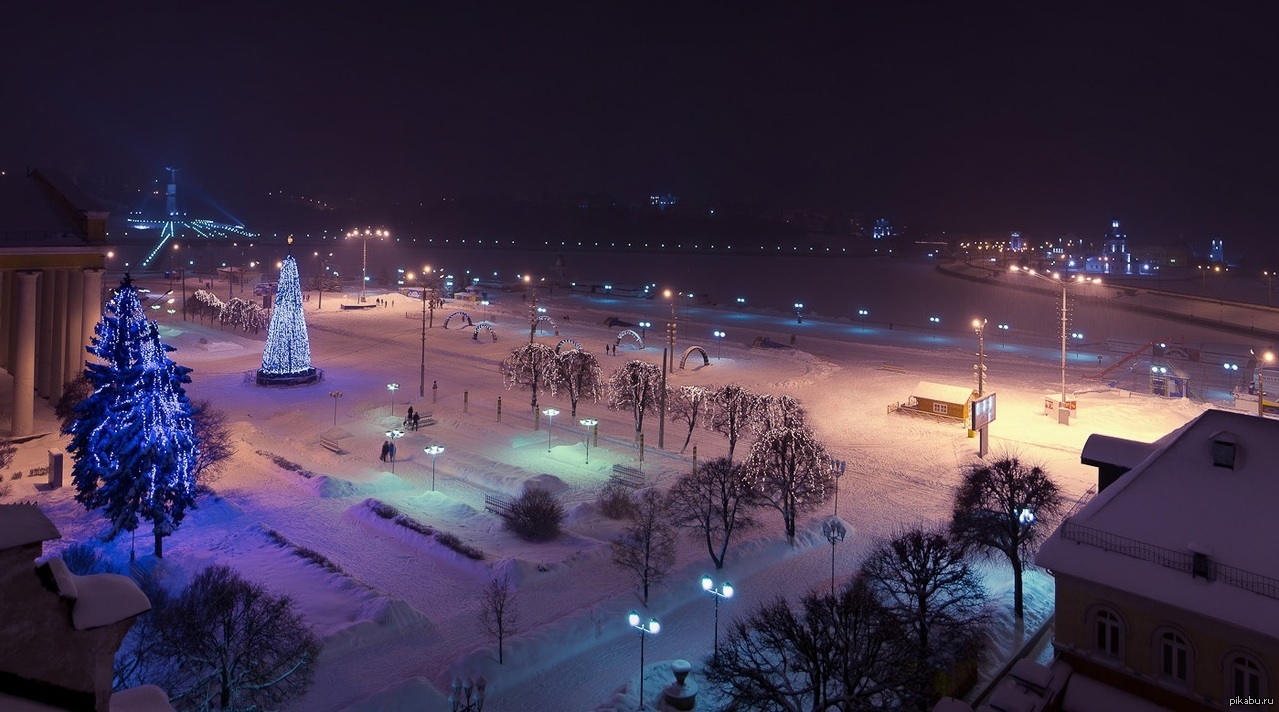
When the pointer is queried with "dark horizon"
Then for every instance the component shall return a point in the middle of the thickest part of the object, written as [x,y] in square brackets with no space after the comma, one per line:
[981,119]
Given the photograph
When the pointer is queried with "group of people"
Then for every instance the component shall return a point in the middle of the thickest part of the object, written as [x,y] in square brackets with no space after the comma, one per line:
[385,302]
[412,420]
[388,451]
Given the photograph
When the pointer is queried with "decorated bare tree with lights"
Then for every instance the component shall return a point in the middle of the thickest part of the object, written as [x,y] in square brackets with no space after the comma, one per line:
[772,412]
[687,405]
[580,376]
[133,439]
[636,387]
[713,502]
[535,366]
[789,470]
[1006,505]
[731,408]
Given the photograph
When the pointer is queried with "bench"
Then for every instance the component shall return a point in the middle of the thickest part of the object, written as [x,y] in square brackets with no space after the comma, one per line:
[627,476]
[359,306]
[498,505]
[331,444]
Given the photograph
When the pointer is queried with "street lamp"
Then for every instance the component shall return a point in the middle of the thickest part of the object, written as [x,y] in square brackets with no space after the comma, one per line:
[799,312]
[837,468]
[421,384]
[1263,359]
[433,450]
[1056,279]
[460,698]
[392,387]
[588,423]
[335,395]
[672,328]
[834,531]
[394,434]
[719,352]
[725,590]
[1270,285]
[652,627]
[550,413]
[643,325]
[364,236]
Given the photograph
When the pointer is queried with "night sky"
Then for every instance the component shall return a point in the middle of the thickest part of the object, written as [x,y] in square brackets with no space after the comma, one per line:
[984,117]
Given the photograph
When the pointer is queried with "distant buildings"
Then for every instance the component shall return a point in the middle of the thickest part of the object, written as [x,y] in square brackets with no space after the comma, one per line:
[1167,581]
[882,230]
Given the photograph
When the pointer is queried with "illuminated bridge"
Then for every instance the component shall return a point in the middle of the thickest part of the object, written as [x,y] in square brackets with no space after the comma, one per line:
[164,212]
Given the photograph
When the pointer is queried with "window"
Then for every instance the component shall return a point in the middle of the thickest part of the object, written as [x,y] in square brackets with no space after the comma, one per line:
[1244,677]
[1174,657]
[1108,632]
[941,408]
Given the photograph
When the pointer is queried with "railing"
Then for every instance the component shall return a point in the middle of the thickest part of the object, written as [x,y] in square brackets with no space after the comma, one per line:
[1183,561]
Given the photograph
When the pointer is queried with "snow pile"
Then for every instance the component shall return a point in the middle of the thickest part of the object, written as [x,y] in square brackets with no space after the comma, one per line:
[336,487]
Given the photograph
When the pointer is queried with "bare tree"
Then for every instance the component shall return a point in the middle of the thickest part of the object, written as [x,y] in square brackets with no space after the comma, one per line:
[499,615]
[532,365]
[579,373]
[789,471]
[688,403]
[635,386]
[837,652]
[7,451]
[213,432]
[1006,505]
[922,577]
[75,391]
[731,408]
[646,548]
[232,644]
[713,501]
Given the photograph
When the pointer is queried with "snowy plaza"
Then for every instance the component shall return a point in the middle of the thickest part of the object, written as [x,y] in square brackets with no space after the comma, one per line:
[397,614]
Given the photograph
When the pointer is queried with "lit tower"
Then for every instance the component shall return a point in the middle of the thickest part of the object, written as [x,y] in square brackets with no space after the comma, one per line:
[286,360]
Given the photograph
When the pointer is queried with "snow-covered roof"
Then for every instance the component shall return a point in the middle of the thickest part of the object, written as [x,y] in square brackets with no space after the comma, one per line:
[103,599]
[1106,450]
[1084,694]
[942,392]
[23,523]
[1177,500]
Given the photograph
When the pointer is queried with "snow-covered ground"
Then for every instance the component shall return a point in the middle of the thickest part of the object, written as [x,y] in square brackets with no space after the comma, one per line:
[399,622]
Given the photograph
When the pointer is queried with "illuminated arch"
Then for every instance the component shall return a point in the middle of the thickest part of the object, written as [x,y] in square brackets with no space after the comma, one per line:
[706,360]
[462,314]
[484,325]
[639,343]
[543,318]
[568,341]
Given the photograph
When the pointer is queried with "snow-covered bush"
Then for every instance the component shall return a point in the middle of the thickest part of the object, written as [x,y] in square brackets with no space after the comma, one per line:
[83,559]
[536,515]
[616,500]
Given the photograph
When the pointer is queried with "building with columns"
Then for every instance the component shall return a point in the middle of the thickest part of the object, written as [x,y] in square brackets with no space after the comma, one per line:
[52,256]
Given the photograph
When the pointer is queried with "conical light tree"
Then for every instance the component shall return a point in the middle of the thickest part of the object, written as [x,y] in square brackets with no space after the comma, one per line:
[133,438]
[287,356]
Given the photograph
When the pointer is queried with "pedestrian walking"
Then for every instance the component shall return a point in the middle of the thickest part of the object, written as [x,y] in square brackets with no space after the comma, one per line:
[416,417]
[386,449]
[391,452]
[409,418]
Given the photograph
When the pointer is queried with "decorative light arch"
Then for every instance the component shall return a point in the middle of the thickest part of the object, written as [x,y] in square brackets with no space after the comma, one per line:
[568,341]
[639,343]
[484,325]
[462,314]
[706,360]
[543,318]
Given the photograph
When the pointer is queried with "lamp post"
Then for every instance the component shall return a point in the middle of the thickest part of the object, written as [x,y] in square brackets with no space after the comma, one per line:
[392,387]
[433,450]
[834,531]
[1056,279]
[421,384]
[671,329]
[335,395]
[799,312]
[550,414]
[725,590]
[364,268]
[1270,285]
[394,434]
[1263,359]
[588,423]
[652,627]
[837,468]
[719,350]
[460,698]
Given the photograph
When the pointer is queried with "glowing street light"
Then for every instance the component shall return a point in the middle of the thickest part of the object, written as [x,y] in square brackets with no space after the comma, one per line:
[394,434]
[718,334]
[433,450]
[550,414]
[1266,358]
[1056,279]
[652,627]
[725,590]
[643,325]
[392,387]
[364,236]
[799,312]
[588,423]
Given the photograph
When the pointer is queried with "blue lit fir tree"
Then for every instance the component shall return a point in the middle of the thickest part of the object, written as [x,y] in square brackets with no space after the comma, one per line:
[287,356]
[132,439]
